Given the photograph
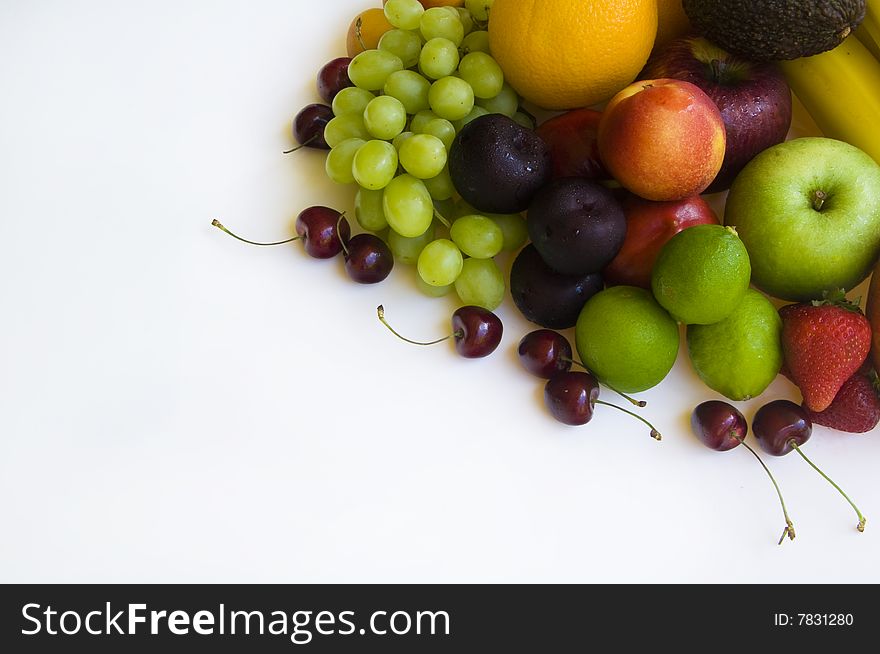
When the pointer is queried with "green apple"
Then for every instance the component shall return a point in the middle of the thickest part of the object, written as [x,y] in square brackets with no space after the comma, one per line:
[808,212]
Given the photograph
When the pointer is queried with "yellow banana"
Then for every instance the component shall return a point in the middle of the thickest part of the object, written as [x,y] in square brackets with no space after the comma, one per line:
[869,31]
[841,91]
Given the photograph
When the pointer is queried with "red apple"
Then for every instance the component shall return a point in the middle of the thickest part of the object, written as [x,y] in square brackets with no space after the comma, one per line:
[662,139]
[572,140]
[754,99]
[649,225]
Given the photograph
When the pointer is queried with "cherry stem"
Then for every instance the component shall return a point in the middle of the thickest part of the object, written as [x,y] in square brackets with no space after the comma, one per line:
[631,400]
[862,519]
[380,310]
[789,527]
[440,217]
[819,198]
[338,235]
[654,433]
[301,145]
[216,223]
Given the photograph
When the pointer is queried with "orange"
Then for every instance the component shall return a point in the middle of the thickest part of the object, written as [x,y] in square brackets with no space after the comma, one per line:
[563,54]
[672,22]
[365,31]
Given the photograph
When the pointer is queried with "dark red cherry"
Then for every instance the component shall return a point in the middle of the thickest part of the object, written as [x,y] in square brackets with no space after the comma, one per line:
[320,229]
[368,260]
[571,397]
[308,127]
[782,426]
[477,331]
[776,424]
[719,425]
[545,353]
[333,77]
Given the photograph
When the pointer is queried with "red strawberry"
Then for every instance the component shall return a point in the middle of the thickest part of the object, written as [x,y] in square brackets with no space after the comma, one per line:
[855,409]
[824,343]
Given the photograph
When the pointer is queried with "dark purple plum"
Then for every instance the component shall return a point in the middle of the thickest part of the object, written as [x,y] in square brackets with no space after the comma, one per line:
[577,225]
[546,297]
[497,165]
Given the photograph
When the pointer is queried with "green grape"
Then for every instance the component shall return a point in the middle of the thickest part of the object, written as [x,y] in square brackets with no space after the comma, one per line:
[477,41]
[442,129]
[439,58]
[405,45]
[371,68]
[407,249]
[445,208]
[423,156]
[480,283]
[514,229]
[418,122]
[399,139]
[476,112]
[440,262]
[385,117]
[408,206]
[440,22]
[524,119]
[375,164]
[483,74]
[477,236]
[339,160]
[440,187]
[347,126]
[479,9]
[451,98]
[466,20]
[462,208]
[404,14]
[368,210]
[506,102]
[351,100]
[432,291]
[410,88]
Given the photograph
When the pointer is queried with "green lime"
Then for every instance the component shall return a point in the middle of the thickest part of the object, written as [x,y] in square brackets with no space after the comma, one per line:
[739,356]
[702,274]
[626,339]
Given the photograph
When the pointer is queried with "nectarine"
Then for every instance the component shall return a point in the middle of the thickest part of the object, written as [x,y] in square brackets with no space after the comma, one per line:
[662,139]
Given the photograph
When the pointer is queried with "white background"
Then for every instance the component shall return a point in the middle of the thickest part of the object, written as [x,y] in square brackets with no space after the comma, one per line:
[177,406]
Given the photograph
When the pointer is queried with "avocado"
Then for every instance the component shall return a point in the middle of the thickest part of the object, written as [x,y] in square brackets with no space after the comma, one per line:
[768,30]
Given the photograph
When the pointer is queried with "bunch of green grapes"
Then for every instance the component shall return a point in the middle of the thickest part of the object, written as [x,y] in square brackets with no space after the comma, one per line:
[391,133]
